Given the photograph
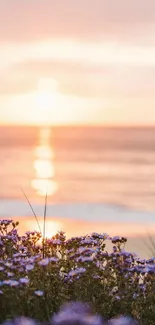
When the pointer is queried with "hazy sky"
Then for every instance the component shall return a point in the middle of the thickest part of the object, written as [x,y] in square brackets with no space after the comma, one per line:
[85,61]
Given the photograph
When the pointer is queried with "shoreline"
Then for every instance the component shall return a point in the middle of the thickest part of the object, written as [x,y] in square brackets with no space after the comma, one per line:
[137,242]
[81,219]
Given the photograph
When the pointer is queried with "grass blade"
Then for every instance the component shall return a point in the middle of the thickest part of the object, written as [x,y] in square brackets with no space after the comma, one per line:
[30,205]
[151,241]
[148,246]
[44,230]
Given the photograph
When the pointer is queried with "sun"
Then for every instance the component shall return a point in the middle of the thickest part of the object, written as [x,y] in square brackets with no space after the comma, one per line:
[47,93]
[47,85]
[51,229]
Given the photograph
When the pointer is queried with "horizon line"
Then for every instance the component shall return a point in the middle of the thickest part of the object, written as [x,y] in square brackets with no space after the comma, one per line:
[107,126]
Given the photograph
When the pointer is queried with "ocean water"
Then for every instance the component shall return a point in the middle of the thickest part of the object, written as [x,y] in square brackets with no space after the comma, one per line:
[97,179]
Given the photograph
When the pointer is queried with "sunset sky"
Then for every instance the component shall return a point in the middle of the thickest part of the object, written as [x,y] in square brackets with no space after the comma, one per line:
[74,62]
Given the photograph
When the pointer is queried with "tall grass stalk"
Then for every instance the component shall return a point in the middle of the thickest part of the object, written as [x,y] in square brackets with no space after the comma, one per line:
[44,224]
[31,207]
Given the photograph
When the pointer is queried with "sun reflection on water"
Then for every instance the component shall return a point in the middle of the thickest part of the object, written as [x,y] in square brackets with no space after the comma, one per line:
[44,181]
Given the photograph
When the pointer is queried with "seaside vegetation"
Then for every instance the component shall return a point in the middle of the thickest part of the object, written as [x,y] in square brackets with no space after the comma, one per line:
[38,275]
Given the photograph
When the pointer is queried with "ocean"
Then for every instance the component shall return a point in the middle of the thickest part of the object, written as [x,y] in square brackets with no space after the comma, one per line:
[96,179]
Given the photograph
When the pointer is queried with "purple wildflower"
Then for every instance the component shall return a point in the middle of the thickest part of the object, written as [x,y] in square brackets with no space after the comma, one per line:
[56,241]
[99,236]
[39,293]
[44,262]
[10,274]
[123,321]
[24,281]
[29,267]
[118,239]
[85,259]
[117,298]
[89,241]
[20,321]
[13,283]
[53,259]
[76,313]
[6,282]
[77,272]
[5,222]
[8,264]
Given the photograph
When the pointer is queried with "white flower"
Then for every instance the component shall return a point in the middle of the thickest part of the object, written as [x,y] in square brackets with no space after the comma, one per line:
[114,290]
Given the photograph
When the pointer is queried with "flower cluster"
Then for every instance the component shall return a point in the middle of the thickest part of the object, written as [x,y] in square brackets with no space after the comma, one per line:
[75,313]
[37,278]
